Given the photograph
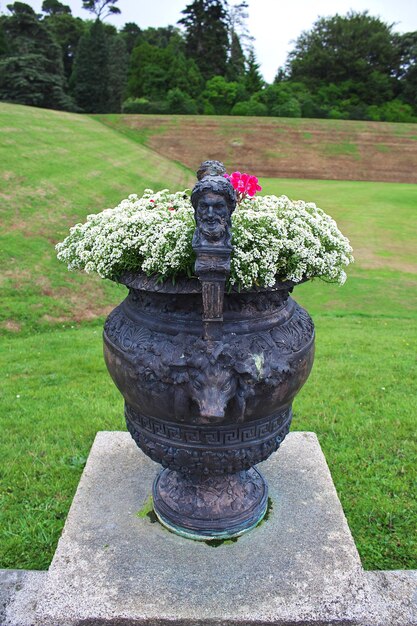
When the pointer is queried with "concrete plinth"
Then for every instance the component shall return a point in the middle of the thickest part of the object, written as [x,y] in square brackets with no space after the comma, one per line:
[300,566]
[20,591]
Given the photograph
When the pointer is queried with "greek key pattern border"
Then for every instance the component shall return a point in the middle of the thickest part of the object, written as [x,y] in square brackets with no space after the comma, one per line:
[186,434]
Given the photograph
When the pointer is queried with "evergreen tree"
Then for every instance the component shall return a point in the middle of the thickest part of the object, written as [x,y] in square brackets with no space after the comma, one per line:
[89,79]
[236,63]
[184,74]
[253,79]
[118,66]
[31,70]
[3,44]
[66,31]
[206,36]
[406,45]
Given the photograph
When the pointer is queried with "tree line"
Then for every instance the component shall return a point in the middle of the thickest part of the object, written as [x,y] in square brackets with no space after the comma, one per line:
[346,67]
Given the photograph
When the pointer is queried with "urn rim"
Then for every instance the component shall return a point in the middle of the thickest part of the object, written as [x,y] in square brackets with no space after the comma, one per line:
[189,285]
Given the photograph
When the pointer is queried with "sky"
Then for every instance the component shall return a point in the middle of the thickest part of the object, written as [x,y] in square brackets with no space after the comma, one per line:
[275,25]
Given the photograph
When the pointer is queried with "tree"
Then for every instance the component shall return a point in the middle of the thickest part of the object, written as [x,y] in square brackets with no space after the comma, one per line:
[180,103]
[251,107]
[89,79]
[282,100]
[54,7]
[253,79]
[239,40]
[3,43]
[206,36]
[221,96]
[31,70]
[148,73]
[406,45]
[236,63]
[131,33]
[184,74]
[117,69]
[66,31]
[163,36]
[355,50]
[155,70]
[237,16]
[101,8]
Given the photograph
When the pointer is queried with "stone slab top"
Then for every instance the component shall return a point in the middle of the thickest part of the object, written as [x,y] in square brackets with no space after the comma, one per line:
[114,567]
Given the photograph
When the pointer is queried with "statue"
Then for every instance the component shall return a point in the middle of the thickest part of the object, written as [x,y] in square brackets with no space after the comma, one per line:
[211,168]
[214,201]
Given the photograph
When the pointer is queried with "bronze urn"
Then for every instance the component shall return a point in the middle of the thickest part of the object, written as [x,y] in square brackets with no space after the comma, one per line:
[208,376]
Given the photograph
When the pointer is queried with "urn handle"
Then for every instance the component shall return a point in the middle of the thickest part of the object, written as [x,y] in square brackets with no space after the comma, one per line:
[214,200]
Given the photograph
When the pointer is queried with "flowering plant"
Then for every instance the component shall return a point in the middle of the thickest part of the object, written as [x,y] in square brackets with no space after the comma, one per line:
[244,185]
[273,238]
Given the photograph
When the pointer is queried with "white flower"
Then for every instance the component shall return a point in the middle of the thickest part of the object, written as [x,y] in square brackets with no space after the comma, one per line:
[273,238]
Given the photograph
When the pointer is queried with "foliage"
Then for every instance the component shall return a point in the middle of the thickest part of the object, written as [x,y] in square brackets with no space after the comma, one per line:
[66,30]
[147,74]
[236,63]
[206,36]
[143,105]
[54,7]
[31,71]
[131,33]
[284,99]
[180,102]
[355,49]
[117,73]
[183,74]
[345,67]
[352,62]
[89,80]
[407,46]
[162,37]
[251,107]
[155,70]
[253,80]
[221,95]
[393,111]
[101,8]
[272,238]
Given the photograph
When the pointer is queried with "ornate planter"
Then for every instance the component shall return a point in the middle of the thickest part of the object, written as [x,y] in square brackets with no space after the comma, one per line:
[208,380]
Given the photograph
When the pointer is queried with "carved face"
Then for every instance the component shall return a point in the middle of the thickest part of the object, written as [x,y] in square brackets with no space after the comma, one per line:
[212,214]
[212,388]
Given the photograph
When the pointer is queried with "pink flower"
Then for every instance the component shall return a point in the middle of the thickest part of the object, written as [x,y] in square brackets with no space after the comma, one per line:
[244,185]
[171,208]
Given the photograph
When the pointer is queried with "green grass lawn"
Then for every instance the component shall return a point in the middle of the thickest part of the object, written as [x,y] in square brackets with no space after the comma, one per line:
[56,392]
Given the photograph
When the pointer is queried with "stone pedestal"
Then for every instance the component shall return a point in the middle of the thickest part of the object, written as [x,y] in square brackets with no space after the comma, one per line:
[115,565]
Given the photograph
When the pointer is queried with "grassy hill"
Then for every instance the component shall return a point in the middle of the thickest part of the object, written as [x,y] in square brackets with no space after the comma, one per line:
[281,147]
[58,167]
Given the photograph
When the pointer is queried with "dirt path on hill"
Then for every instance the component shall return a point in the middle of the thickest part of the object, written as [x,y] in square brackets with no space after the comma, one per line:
[286,148]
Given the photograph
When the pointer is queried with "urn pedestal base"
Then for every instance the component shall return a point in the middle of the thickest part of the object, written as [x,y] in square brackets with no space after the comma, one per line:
[300,567]
[210,507]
